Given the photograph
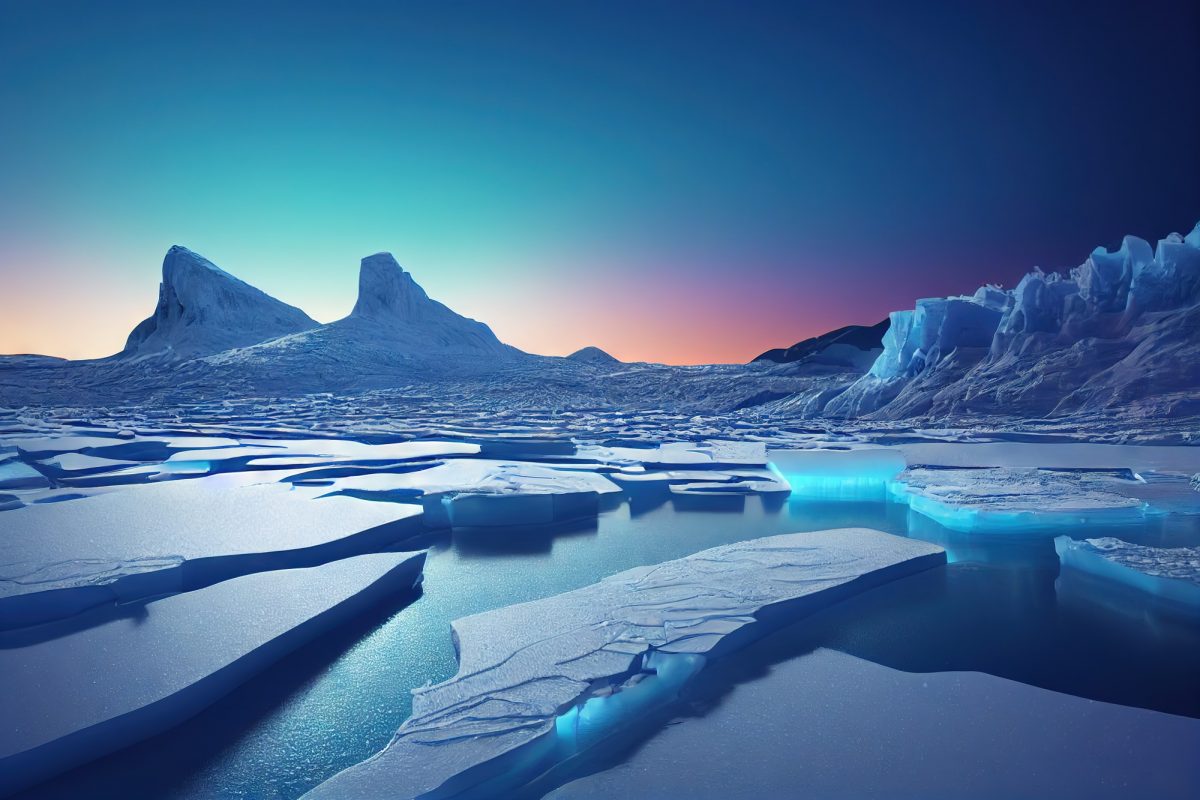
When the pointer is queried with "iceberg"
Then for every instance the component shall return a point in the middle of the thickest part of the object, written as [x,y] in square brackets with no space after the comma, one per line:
[99,688]
[173,537]
[540,681]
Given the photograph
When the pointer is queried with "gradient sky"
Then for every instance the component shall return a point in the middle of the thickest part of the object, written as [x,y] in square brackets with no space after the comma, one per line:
[684,182]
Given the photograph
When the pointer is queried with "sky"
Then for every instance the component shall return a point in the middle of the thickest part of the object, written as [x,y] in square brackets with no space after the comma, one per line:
[686,182]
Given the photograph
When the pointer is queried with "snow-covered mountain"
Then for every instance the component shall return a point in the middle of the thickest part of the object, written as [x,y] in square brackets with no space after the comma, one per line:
[202,310]
[1120,330]
[395,333]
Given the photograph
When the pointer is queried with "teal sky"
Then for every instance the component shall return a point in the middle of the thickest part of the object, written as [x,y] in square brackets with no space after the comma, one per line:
[686,182]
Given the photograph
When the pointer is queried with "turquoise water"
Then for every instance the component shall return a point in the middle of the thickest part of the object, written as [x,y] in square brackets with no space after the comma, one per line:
[998,608]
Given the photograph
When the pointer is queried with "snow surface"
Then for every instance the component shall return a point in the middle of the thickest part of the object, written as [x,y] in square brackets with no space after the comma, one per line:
[797,730]
[121,676]
[61,558]
[540,681]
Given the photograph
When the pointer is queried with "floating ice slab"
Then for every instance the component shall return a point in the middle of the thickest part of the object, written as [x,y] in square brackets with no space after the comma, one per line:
[935,736]
[821,474]
[484,492]
[1170,574]
[689,455]
[61,558]
[19,475]
[1019,500]
[87,693]
[539,682]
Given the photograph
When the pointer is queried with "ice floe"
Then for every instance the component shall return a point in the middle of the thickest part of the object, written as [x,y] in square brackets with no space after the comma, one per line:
[142,668]
[1169,575]
[541,681]
[60,558]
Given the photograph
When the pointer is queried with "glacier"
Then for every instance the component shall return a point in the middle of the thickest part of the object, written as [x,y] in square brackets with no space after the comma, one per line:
[100,687]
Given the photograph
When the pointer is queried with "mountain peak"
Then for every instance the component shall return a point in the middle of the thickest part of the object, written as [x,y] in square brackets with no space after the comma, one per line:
[385,290]
[203,310]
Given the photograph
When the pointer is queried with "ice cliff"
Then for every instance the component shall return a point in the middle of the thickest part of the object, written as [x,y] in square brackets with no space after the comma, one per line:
[1122,328]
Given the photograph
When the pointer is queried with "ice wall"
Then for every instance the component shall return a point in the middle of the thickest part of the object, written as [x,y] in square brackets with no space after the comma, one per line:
[1087,337]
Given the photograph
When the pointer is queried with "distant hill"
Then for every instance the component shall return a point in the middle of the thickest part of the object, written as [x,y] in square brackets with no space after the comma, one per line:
[593,355]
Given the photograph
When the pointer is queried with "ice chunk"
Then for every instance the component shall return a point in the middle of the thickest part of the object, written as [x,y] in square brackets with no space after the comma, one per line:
[485,492]
[1004,500]
[58,559]
[711,454]
[16,474]
[539,681]
[145,668]
[818,474]
[1170,574]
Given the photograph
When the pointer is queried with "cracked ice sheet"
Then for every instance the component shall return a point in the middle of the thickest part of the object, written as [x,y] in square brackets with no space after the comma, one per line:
[59,558]
[332,449]
[522,667]
[1169,574]
[936,736]
[1017,500]
[95,689]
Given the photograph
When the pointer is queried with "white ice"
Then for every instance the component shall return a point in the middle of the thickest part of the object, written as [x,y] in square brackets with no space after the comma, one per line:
[541,680]
[60,558]
[116,678]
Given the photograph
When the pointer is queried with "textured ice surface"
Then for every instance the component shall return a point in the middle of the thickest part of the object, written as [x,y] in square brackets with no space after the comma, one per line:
[1170,574]
[793,732]
[60,558]
[1015,500]
[539,681]
[486,492]
[133,673]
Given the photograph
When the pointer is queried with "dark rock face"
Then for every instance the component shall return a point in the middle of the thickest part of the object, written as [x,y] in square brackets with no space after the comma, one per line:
[862,337]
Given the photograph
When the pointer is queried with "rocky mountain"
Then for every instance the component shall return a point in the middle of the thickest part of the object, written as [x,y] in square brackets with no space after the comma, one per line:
[852,345]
